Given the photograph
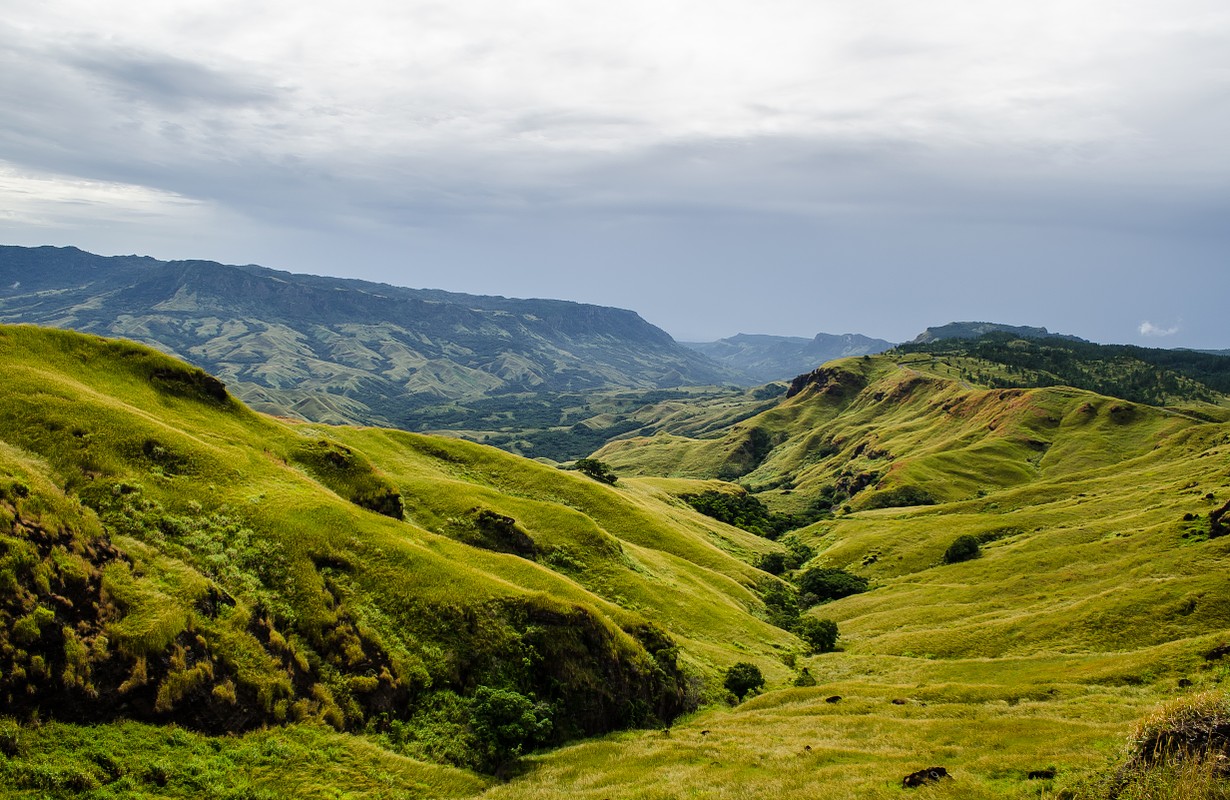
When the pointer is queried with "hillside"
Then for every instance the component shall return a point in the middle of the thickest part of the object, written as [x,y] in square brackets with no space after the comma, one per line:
[382,613]
[170,556]
[765,359]
[334,350]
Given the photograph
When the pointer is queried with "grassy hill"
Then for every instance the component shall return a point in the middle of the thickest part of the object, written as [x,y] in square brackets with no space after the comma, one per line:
[380,613]
[170,556]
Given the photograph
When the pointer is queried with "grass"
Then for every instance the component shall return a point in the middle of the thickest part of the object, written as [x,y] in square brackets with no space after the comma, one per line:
[243,588]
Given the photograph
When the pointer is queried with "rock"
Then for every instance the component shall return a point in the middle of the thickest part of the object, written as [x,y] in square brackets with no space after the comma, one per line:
[899,701]
[834,699]
[924,776]
[1041,774]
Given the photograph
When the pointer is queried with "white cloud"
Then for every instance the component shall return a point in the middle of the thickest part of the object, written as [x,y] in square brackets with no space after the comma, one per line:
[1147,328]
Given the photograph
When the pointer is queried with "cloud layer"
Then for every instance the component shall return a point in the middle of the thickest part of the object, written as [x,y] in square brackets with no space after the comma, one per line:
[786,166]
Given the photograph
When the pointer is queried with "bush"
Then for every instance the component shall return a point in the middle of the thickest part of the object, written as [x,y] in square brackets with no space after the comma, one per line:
[963,548]
[820,634]
[742,678]
[598,470]
[830,583]
[1179,752]
[507,724]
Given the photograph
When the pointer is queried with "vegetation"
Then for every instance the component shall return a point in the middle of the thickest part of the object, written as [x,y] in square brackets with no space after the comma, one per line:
[820,634]
[743,678]
[194,605]
[1139,374]
[829,583]
[596,470]
[963,548]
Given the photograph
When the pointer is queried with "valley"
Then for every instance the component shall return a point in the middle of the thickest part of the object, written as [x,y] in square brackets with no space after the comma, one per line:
[201,599]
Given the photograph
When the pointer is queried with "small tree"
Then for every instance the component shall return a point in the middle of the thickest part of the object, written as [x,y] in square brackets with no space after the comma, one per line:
[506,724]
[596,469]
[963,548]
[830,583]
[742,678]
[820,634]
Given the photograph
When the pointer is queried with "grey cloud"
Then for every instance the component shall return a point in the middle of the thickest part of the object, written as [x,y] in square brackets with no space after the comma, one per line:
[167,81]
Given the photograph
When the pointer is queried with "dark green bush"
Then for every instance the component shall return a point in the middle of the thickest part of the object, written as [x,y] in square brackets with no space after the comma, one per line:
[963,548]
[820,634]
[507,724]
[742,678]
[598,470]
[830,583]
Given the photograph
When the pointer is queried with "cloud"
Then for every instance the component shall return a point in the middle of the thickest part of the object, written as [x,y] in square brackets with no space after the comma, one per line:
[1147,328]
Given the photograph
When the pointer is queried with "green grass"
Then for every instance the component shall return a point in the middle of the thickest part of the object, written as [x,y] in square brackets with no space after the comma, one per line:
[242,584]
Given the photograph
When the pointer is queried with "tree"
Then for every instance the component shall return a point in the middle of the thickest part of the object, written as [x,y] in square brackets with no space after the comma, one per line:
[830,583]
[742,678]
[506,724]
[963,548]
[596,469]
[820,634]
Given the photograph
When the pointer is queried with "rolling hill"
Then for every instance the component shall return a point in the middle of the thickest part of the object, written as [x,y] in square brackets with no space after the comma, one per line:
[384,613]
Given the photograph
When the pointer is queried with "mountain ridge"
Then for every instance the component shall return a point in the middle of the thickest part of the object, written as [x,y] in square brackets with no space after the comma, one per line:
[355,350]
[766,358]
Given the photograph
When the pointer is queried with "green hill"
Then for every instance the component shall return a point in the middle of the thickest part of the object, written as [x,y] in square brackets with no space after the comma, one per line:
[325,610]
[170,556]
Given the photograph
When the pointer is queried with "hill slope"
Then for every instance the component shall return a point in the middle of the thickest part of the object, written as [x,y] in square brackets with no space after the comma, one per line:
[335,350]
[220,537]
[168,555]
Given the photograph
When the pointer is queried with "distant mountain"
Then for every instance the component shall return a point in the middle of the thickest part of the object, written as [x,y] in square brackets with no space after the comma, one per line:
[338,350]
[764,358]
[975,330]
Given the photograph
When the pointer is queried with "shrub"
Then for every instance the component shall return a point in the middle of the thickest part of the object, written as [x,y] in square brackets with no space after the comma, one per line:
[1179,752]
[830,583]
[598,470]
[742,678]
[820,634]
[963,548]
[507,724]
[772,563]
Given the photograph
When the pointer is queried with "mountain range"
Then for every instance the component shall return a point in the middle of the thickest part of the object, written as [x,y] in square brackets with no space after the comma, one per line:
[765,358]
[330,349]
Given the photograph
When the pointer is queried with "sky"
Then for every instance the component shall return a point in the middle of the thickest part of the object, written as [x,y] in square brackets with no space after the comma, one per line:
[779,166]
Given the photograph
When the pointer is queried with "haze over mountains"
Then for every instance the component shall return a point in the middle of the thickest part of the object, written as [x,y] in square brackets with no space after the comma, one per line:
[768,358]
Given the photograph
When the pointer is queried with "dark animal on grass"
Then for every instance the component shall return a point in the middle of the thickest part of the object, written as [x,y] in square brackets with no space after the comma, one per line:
[923,777]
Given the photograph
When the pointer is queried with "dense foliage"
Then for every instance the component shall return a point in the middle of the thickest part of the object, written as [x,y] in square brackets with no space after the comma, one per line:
[820,634]
[830,583]
[743,677]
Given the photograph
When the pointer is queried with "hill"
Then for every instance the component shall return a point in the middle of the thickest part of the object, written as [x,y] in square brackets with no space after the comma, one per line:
[977,330]
[334,350]
[370,609]
[168,555]
[764,359]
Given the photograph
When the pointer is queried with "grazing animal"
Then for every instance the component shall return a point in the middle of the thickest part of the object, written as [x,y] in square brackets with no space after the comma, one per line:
[923,777]
[1041,774]
[834,699]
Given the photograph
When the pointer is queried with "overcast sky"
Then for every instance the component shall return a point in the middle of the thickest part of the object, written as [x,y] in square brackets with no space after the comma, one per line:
[778,166]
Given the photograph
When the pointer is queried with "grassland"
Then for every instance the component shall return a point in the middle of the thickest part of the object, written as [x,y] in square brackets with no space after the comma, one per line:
[297,631]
